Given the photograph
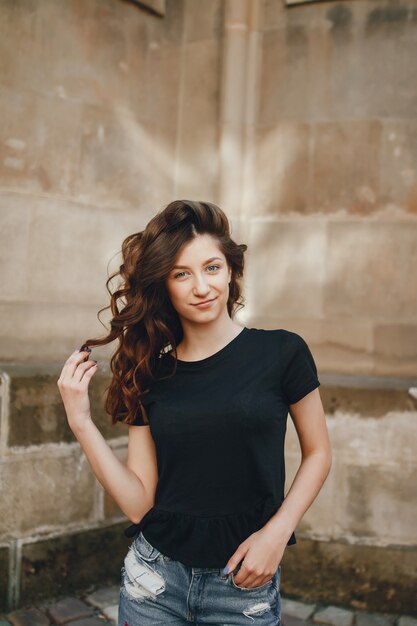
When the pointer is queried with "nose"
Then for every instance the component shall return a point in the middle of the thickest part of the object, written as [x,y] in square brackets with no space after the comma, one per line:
[200,286]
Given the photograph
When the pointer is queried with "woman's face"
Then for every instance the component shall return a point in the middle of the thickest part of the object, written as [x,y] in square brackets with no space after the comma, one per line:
[200,273]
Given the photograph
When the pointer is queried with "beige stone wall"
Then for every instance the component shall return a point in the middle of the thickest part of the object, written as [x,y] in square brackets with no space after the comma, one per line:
[300,122]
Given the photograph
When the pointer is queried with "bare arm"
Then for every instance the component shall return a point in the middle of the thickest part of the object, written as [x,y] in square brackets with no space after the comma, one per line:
[310,423]
[132,486]
[120,482]
[262,551]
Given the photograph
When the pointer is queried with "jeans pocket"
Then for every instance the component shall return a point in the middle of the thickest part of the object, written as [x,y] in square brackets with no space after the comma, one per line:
[141,578]
[145,550]
[264,585]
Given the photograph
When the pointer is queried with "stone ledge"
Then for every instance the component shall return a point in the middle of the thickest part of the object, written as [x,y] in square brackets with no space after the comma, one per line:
[37,414]
[360,577]
[51,568]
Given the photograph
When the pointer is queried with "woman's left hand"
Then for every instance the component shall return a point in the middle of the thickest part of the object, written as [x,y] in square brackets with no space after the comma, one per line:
[262,556]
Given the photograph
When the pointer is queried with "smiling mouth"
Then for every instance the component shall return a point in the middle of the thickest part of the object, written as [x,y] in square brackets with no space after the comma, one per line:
[205,302]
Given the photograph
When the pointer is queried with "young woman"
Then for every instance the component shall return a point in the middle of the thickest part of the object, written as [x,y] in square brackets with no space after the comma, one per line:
[206,402]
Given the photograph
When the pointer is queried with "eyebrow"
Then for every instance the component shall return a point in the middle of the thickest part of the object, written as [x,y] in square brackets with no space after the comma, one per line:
[184,267]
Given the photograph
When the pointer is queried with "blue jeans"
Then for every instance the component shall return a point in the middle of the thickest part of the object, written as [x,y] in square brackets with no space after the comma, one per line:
[194,595]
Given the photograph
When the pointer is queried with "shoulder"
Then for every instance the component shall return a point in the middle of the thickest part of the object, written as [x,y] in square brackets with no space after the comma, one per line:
[285,345]
[292,340]
[279,336]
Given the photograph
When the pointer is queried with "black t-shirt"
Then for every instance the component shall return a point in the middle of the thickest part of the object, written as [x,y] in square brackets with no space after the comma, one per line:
[219,426]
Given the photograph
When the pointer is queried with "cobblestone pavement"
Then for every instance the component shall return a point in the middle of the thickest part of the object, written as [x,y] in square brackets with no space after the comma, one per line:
[100,609]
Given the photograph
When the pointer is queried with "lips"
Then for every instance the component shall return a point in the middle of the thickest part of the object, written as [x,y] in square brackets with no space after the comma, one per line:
[205,302]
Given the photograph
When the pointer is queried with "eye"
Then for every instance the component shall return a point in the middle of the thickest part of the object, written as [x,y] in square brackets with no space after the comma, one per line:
[215,266]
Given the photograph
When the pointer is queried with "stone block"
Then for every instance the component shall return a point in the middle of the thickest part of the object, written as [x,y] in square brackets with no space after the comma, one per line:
[68,564]
[407,620]
[373,619]
[139,38]
[352,575]
[36,128]
[158,183]
[398,164]
[37,413]
[290,268]
[345,166]
[320,72]
[68,609]
[59,238]
[121,177]
[372,439]
[201,84]
[4,575]
[275,14]
[334,615]
[83,57]
[380,502]
[28,617]
[17,221]
[104,597]
[290,620]
[362,398]
[203,21]
[369,263]
[393,340]
[384,85]
[19,23]
[199,164]
[46,332]
[328,56]
[112,613]
[283,76]
[294,608]
[113,158]
[281,162]
[56,489]
[163,81]
[170,28]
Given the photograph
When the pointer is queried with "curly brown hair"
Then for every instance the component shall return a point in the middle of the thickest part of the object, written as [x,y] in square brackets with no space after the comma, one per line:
[146,324]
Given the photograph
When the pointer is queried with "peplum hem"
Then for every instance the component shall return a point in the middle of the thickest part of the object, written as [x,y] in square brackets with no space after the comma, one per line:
[203,541]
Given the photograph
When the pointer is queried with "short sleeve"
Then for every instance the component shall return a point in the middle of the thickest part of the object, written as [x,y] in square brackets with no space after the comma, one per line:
[299,371]
[139,421]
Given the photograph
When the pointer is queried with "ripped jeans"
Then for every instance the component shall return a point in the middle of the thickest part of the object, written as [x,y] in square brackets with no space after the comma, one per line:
[193,595]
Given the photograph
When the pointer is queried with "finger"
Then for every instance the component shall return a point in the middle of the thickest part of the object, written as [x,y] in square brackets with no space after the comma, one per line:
[72,363]
[89,373]
[250,580]
[246,578]
[240,575]
[83,369]
[232,563]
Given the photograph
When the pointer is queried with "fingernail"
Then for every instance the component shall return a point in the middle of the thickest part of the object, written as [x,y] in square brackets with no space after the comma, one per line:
[93,360]
[226,570]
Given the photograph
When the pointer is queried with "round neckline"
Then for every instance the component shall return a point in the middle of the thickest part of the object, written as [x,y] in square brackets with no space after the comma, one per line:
[213,358]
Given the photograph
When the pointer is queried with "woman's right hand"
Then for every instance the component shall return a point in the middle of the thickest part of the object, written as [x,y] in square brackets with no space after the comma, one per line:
[73,387]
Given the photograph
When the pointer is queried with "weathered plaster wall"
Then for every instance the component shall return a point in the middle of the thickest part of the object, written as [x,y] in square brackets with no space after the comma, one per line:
[300,122]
